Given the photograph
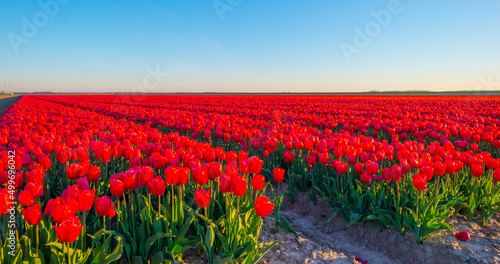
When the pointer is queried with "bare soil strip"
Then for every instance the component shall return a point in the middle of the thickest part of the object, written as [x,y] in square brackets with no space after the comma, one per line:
[6,101]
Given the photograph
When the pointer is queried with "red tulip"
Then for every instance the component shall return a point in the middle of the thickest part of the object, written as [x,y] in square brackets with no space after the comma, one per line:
[462,236]
[278,174]
[262,206]
[94,174]
[256,164]
[427,171]
[359,168]
[231,157]
[451,166]
[131,179]
[492,163]
[439,169]
[202,197]
[183,174]
[157,186]
[69,230]
[171,175]
[231,170]
[419,182]
[35,175]
[33,214]
[324,158]
[6,203]
[366,177]
[63,208]
[242,155]
[83,154]
[200,175]
[26,198]
[63,156]
[372,167]
[73,171]
[288,156]
[85,200]
[496,175]
[341,167]
[239,186]
[36,189]
[83,184]
[244,166]
[395,173]
[117,187]
[225,184]
[214,170]
[258,182]
[477,170]
[146,174]
[104,206]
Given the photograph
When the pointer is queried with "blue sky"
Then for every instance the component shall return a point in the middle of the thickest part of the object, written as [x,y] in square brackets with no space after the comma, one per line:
[251,46]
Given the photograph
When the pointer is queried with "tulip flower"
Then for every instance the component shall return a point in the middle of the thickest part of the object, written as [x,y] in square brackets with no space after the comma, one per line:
[359,168]
[366,177]
[288,156]
[86,200]
[200,175]
[171,175]
[341,167]
[36,189]
[117,187]
[477,170]
[278,174]
[157,186]
[419,182]
[462,236]
[202,197]
[239,186]
[262,206]
[25,198]
[214,170]
[69,230]
[372,167]
[258,182]
[63,209]
[225,184]
[83,184]
[104,206]
[244,166]
[94,174]
[311,160]
[255,164]
[131,180]
[146,174]
[33,214]
[496,175]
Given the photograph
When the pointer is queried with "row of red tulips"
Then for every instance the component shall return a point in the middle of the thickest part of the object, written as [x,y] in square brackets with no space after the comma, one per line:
[372,167]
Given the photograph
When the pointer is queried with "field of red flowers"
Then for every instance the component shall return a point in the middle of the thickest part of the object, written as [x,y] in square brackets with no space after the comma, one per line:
[148,179]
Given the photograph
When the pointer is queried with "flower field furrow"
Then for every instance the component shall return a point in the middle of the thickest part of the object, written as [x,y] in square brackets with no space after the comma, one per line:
[144,179]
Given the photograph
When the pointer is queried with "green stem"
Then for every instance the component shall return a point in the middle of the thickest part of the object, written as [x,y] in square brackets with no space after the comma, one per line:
[159,205]
[69,258]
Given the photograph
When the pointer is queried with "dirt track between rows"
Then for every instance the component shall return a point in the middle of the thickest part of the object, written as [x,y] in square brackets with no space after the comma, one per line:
[6,101]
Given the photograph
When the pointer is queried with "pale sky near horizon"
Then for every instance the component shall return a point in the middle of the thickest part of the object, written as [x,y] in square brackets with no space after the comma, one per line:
[249,46]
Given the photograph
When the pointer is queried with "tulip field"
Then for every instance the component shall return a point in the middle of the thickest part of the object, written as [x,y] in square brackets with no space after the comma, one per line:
[150,179]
